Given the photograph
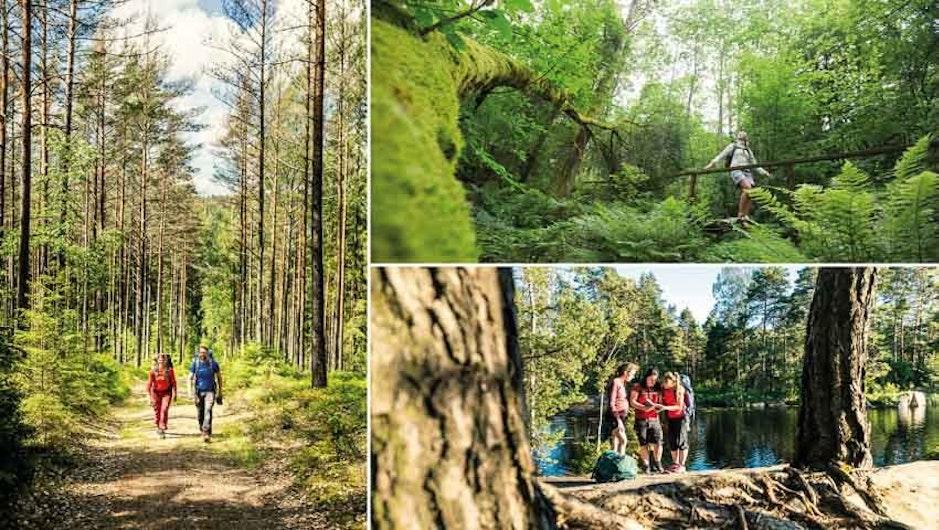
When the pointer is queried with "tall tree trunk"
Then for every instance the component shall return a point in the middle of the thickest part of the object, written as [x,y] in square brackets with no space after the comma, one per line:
[833,426]
[22,286]
[318,357]
[69,105]
[139,324]
[4,121]
[339,320]
[44,132]
[159,258]
[449,446]
[262,87]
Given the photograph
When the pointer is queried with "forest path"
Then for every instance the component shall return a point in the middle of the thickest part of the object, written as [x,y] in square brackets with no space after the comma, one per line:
[139,481]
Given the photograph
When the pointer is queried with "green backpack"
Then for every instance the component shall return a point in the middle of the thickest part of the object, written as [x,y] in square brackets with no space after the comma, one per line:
[614,467]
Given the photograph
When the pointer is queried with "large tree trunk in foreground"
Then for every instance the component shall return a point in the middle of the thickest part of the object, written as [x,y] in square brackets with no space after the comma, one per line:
[833,426]
[449,447]
[449,444]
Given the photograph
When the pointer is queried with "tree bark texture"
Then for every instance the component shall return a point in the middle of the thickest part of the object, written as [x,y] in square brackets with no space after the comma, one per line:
[449,446]
[833,425]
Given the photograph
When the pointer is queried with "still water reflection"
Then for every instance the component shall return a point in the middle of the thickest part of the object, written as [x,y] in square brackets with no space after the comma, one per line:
[724,438]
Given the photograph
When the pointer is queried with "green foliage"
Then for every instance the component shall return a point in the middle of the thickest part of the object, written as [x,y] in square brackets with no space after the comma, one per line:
[584,458]
[804,78]
[618,233]
[757,244]
[531,226]
[844,222]
[14,431]
[328,426]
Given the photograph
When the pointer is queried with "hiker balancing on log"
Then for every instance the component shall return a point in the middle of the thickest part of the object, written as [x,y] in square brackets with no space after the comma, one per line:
[736,154]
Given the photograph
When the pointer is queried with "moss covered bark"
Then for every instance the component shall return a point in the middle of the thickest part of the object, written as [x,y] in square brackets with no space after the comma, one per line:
[419,209]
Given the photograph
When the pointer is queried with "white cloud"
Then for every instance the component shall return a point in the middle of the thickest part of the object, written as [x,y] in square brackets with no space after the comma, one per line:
[188,27]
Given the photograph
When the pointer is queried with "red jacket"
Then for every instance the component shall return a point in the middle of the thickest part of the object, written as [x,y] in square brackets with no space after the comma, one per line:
[161,382]
[669,399]
[645,395]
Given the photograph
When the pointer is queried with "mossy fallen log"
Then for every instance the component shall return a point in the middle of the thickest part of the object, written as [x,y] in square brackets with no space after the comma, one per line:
[420,212]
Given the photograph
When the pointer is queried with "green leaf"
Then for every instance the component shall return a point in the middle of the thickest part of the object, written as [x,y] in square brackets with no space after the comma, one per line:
[519,5]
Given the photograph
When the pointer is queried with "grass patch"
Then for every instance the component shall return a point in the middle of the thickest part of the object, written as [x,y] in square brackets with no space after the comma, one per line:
[321,431]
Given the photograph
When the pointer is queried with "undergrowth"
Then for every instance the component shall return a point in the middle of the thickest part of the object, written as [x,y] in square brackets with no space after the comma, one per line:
[850,219]
[324,430]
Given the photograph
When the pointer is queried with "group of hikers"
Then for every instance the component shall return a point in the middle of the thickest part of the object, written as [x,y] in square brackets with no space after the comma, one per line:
[649,397]
[205,388]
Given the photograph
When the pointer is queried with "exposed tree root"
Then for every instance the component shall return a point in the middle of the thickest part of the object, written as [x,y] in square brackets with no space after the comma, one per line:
[774,499]
[575,514]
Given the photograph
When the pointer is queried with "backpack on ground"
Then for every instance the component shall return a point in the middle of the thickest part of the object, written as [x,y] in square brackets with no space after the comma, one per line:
[614,467]
[689,395]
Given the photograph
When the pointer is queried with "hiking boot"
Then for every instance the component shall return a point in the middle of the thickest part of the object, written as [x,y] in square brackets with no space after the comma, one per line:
[658,468]
[645,469]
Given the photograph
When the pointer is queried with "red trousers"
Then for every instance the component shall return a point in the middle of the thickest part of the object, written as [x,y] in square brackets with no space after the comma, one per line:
[161,408]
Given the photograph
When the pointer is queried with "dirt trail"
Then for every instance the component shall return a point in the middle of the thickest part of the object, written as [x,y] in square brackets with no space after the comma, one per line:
[139,481]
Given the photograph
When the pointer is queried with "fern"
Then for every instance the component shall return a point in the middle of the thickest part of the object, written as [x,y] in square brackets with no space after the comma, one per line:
[914,160]
[910,224]
[833,224]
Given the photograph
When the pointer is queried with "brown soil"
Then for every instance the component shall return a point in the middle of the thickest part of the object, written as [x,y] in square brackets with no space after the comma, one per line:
[132,479]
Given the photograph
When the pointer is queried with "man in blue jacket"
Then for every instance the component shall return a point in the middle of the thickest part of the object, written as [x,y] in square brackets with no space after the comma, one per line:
[206,375]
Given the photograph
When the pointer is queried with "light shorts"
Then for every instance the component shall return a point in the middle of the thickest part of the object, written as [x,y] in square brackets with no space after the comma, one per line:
[741,176]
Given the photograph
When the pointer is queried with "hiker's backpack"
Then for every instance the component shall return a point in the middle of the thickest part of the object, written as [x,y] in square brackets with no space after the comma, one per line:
[614,467]
[155,370]
[689,395]
[730,157]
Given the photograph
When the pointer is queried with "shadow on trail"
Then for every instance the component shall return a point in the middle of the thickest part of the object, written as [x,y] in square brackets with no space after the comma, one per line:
[136,480]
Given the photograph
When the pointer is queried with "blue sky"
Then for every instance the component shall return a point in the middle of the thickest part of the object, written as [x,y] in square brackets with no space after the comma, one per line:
[686,285]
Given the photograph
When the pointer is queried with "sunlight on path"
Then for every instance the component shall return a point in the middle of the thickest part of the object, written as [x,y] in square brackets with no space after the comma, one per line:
[182,482]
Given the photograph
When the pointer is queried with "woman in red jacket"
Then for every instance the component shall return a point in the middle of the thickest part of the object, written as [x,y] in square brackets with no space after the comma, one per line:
[673,397]
[161,386]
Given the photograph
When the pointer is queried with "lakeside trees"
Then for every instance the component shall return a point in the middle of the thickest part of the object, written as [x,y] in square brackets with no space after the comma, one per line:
[429,426]
[576,325]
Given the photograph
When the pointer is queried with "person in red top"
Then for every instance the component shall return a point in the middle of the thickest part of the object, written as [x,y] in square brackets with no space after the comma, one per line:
[673,399]
[161,386]
[646,399]
[619,405]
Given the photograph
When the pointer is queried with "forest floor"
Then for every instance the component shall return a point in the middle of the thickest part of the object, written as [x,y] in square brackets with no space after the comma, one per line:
[771,497]
[129,478]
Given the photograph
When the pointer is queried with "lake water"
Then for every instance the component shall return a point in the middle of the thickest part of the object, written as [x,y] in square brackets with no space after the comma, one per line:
[733,438]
